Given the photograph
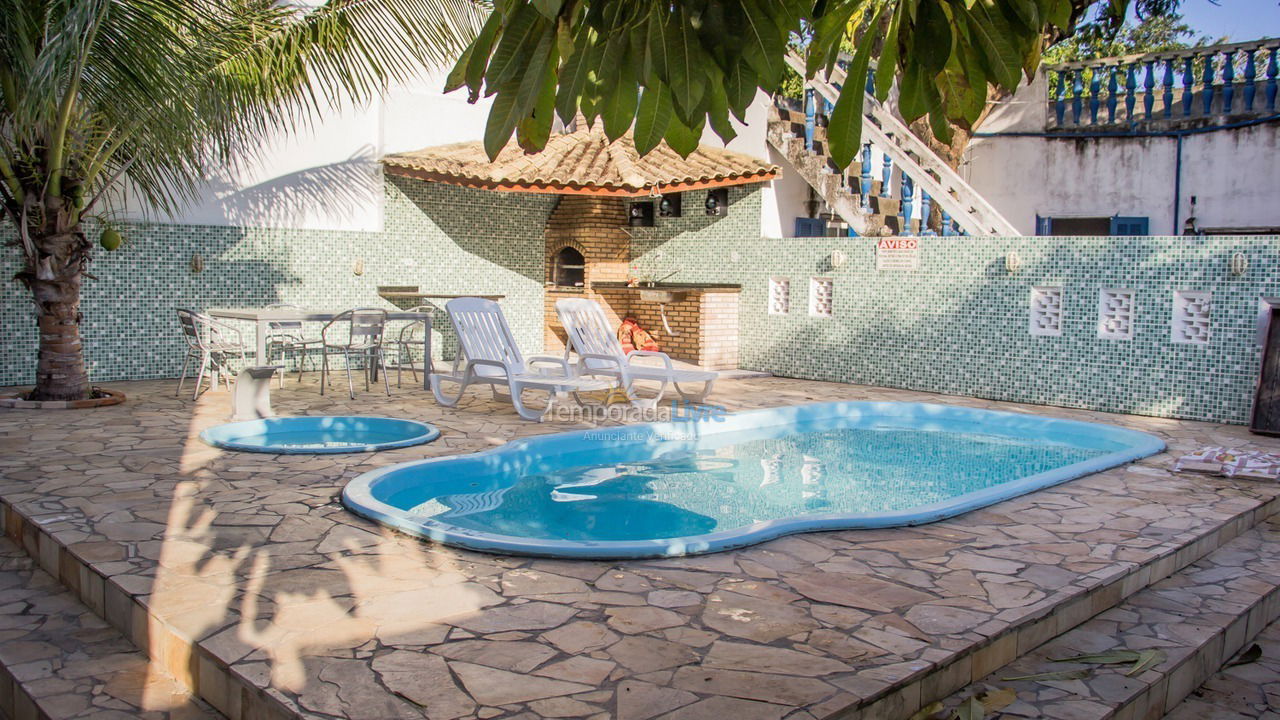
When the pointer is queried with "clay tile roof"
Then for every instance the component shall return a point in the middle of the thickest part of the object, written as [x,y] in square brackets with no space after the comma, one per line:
[582,162]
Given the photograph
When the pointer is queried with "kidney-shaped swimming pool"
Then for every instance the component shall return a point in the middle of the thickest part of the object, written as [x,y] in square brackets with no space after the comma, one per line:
[681,488]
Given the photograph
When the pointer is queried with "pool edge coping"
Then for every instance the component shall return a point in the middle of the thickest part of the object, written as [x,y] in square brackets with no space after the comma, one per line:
[357,496]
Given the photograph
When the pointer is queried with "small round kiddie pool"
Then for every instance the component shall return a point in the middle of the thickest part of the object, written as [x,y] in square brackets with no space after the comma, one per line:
[320,434]
[682,488]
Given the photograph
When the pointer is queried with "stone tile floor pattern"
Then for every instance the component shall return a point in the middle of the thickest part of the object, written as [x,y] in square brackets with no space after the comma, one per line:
[1188,617]
[254,557]
[1243,692]
[74,664]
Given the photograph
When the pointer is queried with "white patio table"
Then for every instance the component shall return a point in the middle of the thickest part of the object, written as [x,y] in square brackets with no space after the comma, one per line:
[262,319]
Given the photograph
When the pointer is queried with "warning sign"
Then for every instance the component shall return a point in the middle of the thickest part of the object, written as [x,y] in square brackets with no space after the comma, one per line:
[898,254]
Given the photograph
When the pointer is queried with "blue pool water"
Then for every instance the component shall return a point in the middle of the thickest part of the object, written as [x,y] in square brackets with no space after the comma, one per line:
[320,434]
[691,487]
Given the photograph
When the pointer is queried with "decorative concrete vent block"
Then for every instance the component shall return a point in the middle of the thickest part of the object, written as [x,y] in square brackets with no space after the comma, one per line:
[820,297]
[779,296]
[1046,311]
[1191,315]
[1115,314]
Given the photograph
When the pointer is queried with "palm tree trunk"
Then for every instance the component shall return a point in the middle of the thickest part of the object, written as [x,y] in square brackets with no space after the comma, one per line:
[54,278]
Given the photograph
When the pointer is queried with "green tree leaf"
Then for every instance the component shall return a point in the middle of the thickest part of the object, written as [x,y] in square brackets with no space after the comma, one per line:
[887,63]
[844,131]
[620,105]
[764,48]
[534,129]
[514,45]
[653,116]
[548,8]
[931,41]
[573,75]
[992,35]
[718,110]
[740,88]
[682,60]
[681,137]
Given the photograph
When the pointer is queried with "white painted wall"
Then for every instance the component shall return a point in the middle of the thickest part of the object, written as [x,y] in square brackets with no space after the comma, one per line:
[784,198]
[1232,173]
[327,176]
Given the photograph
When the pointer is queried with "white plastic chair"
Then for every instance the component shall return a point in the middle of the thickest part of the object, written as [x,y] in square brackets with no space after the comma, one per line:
[487,353]
[286,336]
[211,342]
[599,353]
[363,339]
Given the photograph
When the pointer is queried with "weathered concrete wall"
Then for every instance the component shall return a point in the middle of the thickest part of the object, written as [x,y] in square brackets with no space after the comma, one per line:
[1233,174]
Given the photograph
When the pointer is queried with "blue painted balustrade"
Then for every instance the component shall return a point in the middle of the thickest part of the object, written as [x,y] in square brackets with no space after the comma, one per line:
[908,193]
[1271,78]
[926,207]
[1225,84]
[810,118]
[865,177]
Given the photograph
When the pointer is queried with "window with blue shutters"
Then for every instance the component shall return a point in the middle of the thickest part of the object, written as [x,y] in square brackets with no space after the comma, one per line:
[810,227]
[1130,225]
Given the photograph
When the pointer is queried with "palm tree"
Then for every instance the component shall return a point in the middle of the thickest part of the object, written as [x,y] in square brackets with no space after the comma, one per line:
[99,95]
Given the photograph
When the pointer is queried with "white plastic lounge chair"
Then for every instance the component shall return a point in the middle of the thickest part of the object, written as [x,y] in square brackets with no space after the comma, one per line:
[600,353]
[487,353]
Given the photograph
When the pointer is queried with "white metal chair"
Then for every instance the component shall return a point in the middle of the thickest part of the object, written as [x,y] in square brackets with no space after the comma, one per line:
[212,343]
[487,353]
[599,353]
[288,336]
[407,341]
[362,340]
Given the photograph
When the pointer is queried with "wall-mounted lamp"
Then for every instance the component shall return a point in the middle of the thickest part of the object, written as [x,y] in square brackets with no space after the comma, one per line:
[717,203]
[1238,264]
[670,204]
[1012,261]
[838,258]
[640,214]
[197,263]
[357,267]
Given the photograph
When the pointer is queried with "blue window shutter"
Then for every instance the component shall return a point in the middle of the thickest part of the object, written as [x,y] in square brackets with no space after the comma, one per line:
[1044,225]
[810,227]
[1130,225]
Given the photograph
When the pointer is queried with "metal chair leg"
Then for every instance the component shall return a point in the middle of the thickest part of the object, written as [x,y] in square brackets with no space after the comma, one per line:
[204,364]
[324,369]
[386,380]
[351,388]
[183,377]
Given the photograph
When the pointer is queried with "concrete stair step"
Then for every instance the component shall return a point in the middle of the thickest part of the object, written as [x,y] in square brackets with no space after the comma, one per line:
[58,660]
[1244,690]
[1199,618]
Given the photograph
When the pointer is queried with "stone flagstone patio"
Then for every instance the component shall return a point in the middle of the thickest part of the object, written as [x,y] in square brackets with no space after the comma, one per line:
[243,577]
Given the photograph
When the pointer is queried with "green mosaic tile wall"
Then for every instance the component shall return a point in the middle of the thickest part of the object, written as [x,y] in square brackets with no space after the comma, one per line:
[441,238]
[959,325]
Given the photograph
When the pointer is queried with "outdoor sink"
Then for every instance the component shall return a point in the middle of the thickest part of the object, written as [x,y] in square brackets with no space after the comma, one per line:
[663,296]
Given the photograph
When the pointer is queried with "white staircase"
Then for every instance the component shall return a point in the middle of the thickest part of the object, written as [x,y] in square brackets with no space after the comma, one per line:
[870,205]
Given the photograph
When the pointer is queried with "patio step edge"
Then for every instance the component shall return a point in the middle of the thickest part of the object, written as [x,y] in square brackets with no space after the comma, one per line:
[191,666]
[61,661]
[1200,617]
[1242,688]
[935,683]
[241,698]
